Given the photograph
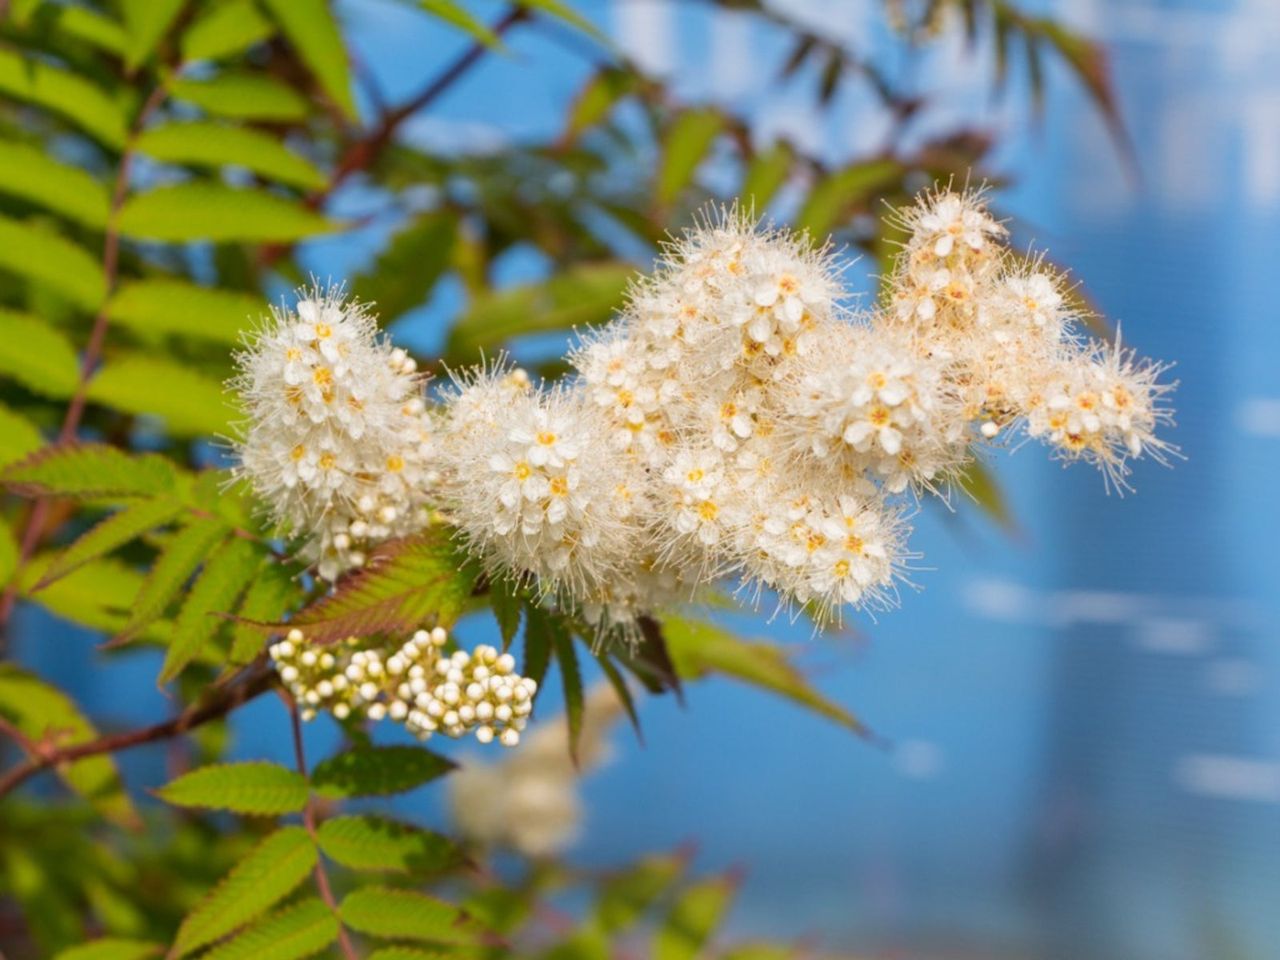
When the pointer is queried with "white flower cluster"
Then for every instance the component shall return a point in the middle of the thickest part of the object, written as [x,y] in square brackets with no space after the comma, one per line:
[736,420]
[338,440]
[418,685]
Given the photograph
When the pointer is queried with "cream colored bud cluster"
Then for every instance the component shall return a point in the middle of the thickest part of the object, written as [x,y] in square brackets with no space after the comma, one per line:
[339,441]
[418,684]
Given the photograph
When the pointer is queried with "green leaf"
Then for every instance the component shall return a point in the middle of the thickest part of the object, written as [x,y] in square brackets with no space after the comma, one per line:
[375,843]
[53,88]
[18,436]
[571,677]
[91,27]
[833,196]
[506,602]
[563,11]
[189,403]
[222,214]
[580,296]
[297,931]
[422,580]
[270,872]
[408,268]
[698,648]
[176,307]
[146,22]
[406,915]
[765,175]
[228,29]
[96,596]
[377,771]
[36,176]
[224,577]
[42,713]
[89,471]
[270,596]
[111,533]
[456,15]
[204,143]
[693,919]
[53,261]
[183,552]
[311,29]
[625,897]
[8,554]
[598,96]
[978,482]
[37,355]
[687,143]
[243,96]
[111,948]
[404,953]
[252,787]
[542,632]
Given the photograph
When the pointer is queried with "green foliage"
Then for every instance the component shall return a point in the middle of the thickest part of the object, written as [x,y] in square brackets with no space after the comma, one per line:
[571,678]
[224,577]
[178,308]
[225,30]
[369,771]
[693,919]
[310,27]
[111,948]
[297,931]
[456,14]
[379,844]
[243,96]
[407,915]
[686,146]
[114,531]
[626,896]
[89,471]
[271,871]
[62,188]
[181,555]
[195,404]
[37,355]
[208,211]
[34,251]
[253,787]
[64,93]
[207,144]
[419,581]
[18,437]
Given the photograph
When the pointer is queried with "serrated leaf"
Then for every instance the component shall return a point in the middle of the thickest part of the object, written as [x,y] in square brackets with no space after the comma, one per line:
[295,932]
[252,787]
[370,771]
[111,948]
[456,15]
[52,261]
[91,27]
[18,437]
[571,679]
[421,580]
[832,197]
[91,471]
[625,896]
[146,22]
[685,147]
[209,144]
[215,591]
[173,568]
[693,919]
[698,648]
[42,712]
[766,173]
[404,953]
[270,596]
[376,843]
[96,596]
[541,631]
[36,176]
[218,213]
[37,355]
[176,307]
[189,403]
[226,30]
[111,533]
[408,268]
[59,91]
[506,602]
[579,296]
[406,915]
[311,29]
[243,96]
[270,872]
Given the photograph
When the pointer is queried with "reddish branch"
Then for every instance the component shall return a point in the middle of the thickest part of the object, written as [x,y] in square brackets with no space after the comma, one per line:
[309,821]
[255,680]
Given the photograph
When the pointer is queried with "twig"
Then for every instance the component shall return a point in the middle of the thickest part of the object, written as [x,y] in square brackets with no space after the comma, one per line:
[93,349]
[309,821]
[256,679]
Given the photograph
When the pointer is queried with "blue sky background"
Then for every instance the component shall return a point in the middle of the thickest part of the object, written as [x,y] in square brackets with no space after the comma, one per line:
[1087,758]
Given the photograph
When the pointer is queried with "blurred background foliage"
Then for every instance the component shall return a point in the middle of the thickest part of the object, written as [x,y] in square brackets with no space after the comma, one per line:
[163,166]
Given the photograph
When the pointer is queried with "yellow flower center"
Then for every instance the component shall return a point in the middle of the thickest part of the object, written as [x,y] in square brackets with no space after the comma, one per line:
[298,452]
[395,463]
[879,416]
[522,471]
[695,475]
[707,510]
[323,331]
[559,486]
[842,568]
[546,438]
[327,461]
